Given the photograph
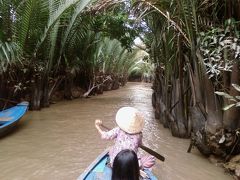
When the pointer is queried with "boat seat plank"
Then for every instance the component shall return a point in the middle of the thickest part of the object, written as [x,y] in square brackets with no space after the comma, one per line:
[4,119]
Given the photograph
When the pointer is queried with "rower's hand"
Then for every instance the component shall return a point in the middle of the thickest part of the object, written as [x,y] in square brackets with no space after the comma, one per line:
[148,161]
[98,123]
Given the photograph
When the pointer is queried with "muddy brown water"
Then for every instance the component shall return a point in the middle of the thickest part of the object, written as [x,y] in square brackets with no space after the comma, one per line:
[59,142]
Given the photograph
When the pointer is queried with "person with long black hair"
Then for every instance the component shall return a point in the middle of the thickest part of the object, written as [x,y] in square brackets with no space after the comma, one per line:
[125,166]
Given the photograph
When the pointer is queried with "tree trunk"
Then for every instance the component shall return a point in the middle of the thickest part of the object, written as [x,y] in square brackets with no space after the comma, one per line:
[178,111]
[199,136]
[213,110]
[36,93]
[68,85]
[115,84]
[229,9]
[45,96]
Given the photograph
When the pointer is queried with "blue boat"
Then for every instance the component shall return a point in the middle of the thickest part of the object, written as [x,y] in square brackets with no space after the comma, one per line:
[9,118]
[98,170]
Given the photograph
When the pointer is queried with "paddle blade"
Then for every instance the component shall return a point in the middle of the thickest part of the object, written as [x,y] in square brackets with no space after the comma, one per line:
[153,153]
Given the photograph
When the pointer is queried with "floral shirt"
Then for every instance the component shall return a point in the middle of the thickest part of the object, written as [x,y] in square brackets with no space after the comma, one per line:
[123,141]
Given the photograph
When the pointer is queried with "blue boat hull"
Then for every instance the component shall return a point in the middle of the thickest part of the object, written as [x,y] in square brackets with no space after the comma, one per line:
[99,170]
[9,118]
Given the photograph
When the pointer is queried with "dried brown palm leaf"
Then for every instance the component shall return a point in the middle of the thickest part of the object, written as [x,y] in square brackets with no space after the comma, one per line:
[147,7]
[103,5]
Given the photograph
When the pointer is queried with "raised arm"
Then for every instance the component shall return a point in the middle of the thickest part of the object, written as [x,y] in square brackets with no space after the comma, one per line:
[98,124]
[106,134]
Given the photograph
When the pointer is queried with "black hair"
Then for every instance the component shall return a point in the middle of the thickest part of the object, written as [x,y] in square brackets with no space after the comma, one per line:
[125,166]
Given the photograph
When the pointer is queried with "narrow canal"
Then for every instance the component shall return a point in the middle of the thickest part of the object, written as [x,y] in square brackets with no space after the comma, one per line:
[59,142]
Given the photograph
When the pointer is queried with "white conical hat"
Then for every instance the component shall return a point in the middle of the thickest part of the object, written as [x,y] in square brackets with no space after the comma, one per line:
[130,120]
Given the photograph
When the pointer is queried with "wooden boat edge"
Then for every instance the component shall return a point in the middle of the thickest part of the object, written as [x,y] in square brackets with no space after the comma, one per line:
[7,127]
[93,165]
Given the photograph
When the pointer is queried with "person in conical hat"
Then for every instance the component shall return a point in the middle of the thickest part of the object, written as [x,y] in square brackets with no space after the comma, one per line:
[127,135]
[130,120]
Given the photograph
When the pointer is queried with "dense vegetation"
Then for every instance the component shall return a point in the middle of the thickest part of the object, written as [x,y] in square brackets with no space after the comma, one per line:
[72,47]
[47,46]
[195,47]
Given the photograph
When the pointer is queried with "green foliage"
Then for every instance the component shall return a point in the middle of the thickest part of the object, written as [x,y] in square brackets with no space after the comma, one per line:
[235,99]
[117,24]
[51,34]
[9,49]
[143,67]
[8,54]
[220,50]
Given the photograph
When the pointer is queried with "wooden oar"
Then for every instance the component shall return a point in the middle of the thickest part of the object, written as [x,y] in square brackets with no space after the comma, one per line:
[148,150]
[153,153]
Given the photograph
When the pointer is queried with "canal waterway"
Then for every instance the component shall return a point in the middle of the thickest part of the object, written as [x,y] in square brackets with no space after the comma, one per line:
[59,142]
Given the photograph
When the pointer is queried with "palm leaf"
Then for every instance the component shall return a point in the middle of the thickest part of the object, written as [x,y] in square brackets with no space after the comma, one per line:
[80,6]
[237,87]
[54,16]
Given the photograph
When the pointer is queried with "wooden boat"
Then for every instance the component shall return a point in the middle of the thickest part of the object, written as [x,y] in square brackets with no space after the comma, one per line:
[98,169]
[9,118]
